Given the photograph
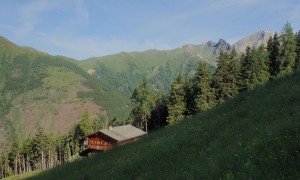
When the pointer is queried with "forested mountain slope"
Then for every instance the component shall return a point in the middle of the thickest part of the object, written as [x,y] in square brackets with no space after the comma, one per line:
[125,70]
[252,136]
[54,91]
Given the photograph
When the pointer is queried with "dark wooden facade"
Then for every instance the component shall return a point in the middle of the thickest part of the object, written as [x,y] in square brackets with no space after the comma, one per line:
[107,138]
[98,141]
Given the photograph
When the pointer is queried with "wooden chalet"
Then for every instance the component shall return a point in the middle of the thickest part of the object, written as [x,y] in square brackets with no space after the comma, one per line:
[107,138]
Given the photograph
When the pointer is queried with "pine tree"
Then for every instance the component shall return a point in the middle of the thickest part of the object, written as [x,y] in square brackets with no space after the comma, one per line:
[234,70]
[262,70]
[254,68]
[202,88]
[189,95]
[39,147]
[273,52]
[176,105]
[297,51]
[85,125]
[159,112]
[287,53]
[225,78]
[247,70]
[14,154]
[142,101]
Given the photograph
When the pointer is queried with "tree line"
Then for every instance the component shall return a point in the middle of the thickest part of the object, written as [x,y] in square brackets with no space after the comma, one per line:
[205,89]
[45,150]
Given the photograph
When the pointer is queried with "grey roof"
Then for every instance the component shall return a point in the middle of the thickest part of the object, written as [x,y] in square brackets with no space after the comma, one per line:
[123,133]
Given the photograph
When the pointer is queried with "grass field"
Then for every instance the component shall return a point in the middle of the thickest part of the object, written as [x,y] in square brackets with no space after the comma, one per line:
[253,136]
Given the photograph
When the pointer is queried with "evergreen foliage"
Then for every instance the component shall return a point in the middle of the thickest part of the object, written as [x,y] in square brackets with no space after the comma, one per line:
[287,52]
[297,50]
[142,101]
[262,70]
[202,88]
[273,46]
[189,95]
[254,68]
[177,103]
[225,83]
[85,124]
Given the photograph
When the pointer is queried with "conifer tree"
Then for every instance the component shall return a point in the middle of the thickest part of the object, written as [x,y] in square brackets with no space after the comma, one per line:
[142,101]
[297,51]
[273,46]
[225,80]
[287,53]
[247,76]
[189,95]
[202,88]
[176,105]
[254,68]
[40,144]
[85,125]
[234,70]
[14,154]
[262,69]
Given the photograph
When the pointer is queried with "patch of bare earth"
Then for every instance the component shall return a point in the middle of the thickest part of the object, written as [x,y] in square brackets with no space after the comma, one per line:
[53,113]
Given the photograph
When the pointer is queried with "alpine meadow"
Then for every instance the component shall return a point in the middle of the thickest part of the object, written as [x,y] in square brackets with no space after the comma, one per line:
[215,110]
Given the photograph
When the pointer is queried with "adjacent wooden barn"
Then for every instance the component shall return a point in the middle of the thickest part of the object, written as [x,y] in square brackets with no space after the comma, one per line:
[107,138]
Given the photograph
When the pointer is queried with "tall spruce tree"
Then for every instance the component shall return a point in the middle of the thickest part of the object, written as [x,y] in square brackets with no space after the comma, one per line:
[189,95]
[202,88]
[234,70]
[85,124]
[297,51]
[254,68]
[225,83]
[176,105]
[273,47]
[287,53]
[247,76]
[262,70]
[142,100]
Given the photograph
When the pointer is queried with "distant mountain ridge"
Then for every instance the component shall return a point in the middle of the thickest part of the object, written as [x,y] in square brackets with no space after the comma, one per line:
[125,70]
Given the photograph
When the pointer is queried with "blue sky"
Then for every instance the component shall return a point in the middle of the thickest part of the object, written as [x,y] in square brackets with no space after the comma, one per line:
[81,29]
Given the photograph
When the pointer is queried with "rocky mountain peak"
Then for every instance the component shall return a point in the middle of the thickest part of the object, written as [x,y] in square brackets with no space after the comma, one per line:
[253,40]
[211,44]
[222,45]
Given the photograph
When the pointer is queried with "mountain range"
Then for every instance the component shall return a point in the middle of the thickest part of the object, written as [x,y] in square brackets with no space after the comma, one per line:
[55,90]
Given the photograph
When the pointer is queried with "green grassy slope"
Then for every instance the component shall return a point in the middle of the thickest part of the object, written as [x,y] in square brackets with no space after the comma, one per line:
[125,70]
[253,136]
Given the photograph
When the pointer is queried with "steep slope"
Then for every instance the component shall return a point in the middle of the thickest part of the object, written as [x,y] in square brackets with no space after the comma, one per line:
[36,87]
[125,70]
[253,40]
[252,136]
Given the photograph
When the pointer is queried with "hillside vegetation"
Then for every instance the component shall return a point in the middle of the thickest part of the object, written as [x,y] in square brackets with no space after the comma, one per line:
[125,70]
[54,91]
[252,136]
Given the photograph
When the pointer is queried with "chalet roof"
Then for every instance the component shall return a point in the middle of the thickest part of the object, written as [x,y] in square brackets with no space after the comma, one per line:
[122,133]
